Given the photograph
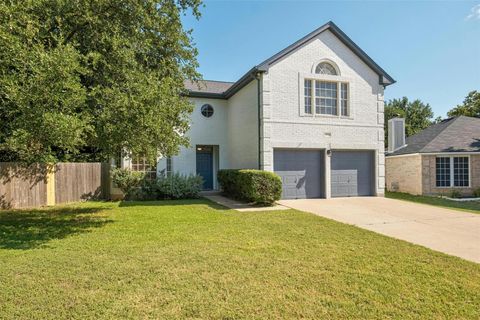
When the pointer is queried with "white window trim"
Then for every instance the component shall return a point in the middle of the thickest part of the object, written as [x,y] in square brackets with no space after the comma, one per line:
[452,174]
[328,78]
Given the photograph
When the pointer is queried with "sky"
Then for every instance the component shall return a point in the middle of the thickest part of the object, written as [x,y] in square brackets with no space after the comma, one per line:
[431,48]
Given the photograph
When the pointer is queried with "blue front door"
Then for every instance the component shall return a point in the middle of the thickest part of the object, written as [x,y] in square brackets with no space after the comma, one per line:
[205,166]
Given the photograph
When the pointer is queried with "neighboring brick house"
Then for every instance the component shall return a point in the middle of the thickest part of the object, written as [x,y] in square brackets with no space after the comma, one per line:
[313,113]
[442,158]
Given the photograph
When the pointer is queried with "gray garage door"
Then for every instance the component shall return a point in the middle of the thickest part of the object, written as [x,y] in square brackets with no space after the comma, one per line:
[352,173]
[301,172]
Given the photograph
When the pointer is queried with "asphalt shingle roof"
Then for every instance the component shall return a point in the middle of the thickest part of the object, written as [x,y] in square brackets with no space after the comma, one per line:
[459,134]
[209,86]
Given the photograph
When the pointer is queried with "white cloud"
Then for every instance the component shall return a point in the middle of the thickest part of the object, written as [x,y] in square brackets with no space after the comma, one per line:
[474,13]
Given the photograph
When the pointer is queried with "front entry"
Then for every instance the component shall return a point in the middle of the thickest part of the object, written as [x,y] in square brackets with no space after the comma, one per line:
[205,165]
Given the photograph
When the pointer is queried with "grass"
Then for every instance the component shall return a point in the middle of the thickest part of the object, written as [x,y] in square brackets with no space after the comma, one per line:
[469,206]
[194,259]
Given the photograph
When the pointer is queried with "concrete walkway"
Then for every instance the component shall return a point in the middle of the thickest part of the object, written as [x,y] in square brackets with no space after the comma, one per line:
[450,231]
[239,206]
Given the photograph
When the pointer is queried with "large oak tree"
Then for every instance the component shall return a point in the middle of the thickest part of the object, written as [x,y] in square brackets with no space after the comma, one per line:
[93,77]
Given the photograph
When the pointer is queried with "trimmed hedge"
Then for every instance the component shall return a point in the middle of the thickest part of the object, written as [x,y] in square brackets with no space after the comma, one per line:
[261,187]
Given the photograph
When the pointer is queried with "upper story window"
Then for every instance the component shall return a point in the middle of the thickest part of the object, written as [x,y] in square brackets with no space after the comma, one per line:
[308,96]
[326,68]
[327,97]
[207,110]
[325,92]
[344,99]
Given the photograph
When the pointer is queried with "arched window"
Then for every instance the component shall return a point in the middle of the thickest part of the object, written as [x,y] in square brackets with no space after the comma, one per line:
[324,94]
[326,68]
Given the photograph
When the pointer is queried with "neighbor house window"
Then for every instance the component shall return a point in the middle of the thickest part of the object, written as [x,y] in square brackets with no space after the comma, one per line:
[328,97]
[443,171]
[452,171]
[141,164]
[460,172]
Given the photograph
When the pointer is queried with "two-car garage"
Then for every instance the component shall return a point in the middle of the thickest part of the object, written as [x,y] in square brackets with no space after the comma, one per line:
[305,172]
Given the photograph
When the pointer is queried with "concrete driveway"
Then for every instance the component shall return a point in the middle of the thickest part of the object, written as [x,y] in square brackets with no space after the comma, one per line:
[449,231]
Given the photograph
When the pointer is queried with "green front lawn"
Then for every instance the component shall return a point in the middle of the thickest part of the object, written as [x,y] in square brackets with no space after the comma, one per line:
[469,206]
[194,259]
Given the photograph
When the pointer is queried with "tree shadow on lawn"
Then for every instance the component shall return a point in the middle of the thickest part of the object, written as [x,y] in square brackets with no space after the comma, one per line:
[29,229]
[188,202]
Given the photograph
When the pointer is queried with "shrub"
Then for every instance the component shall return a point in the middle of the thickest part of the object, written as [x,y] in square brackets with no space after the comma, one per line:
[455,194]
[128,181]
[476,193]
[178,186]
[135,185]
[148,190]
[227,178]
[261,187]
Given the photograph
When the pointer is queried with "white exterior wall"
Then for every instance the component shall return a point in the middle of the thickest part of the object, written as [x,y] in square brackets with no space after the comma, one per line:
[233,128]
[203,131]
[284,126]
[243,127]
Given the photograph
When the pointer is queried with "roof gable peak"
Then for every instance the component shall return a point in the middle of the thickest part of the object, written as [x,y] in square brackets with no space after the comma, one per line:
[384,78]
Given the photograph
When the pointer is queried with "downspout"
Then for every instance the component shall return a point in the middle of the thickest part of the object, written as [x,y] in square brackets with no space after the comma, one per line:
[259,101]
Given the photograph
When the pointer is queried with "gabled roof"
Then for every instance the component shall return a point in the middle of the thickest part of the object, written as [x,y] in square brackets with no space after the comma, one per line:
[384,78]
[459,134]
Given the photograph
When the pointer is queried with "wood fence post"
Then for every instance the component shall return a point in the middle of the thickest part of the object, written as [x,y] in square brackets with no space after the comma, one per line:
[106,190]
[50,185]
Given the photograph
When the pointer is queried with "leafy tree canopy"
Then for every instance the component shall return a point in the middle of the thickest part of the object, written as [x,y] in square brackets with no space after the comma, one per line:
[94,76]
[470,106]
[417,114]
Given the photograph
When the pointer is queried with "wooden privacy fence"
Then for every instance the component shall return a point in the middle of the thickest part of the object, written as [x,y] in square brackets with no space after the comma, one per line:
[39,185]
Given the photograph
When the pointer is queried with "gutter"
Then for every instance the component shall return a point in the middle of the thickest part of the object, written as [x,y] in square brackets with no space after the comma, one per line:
[259,101]
[198,94]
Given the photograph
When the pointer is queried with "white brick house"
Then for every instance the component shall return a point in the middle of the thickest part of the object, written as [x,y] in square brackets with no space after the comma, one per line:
[313,113]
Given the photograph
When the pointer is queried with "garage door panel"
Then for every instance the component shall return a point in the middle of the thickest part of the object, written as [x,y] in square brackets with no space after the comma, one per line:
[287,177]
[343,190]
[352,173]
[344,176]
[289,193]
[301,172]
